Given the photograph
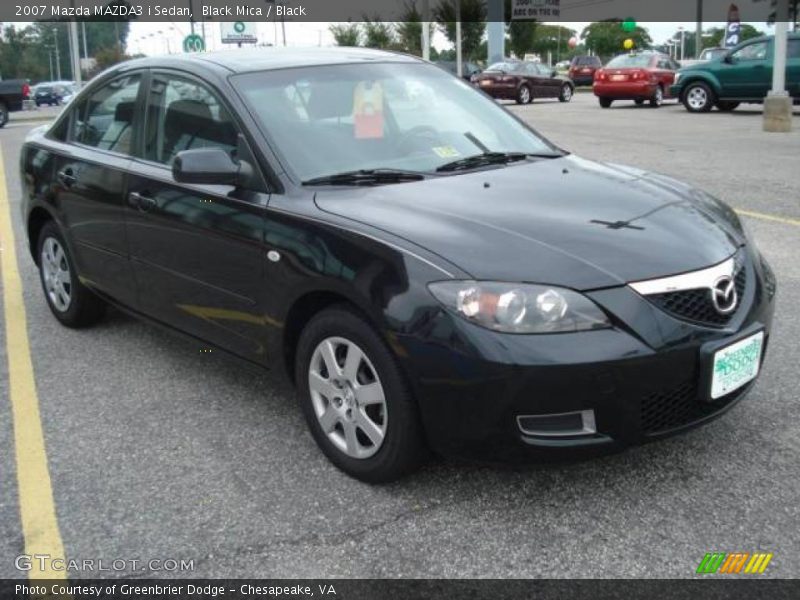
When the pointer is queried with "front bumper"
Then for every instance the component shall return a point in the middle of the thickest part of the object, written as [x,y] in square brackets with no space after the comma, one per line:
[643,379]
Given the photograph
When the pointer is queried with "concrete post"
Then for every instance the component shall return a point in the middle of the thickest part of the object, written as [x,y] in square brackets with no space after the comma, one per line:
[778,103]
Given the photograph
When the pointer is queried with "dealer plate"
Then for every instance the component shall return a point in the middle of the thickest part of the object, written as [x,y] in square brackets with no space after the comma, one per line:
[736,364]
[619,77]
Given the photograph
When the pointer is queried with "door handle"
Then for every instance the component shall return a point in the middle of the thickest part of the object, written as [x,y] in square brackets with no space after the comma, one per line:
[67,177]
[142,201]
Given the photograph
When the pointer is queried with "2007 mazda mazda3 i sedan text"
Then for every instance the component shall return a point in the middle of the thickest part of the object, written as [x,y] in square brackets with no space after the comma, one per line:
[430,271]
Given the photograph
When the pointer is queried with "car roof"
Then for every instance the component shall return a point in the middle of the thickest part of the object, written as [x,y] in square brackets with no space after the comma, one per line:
[270,58]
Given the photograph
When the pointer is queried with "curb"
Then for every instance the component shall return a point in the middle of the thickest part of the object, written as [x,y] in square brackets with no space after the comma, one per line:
[37,119]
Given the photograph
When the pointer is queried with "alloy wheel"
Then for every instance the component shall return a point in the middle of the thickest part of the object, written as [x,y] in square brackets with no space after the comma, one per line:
[697,98]
[566,93]
[348,397]
[524,95]
[56,274]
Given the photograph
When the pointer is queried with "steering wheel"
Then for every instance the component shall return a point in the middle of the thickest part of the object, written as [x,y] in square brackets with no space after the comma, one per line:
[417,139]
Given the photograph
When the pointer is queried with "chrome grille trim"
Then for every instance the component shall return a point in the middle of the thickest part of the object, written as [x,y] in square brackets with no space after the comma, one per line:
[704,278]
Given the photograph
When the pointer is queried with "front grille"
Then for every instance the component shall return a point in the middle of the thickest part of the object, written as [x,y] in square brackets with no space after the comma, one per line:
[696,306]
[679,406]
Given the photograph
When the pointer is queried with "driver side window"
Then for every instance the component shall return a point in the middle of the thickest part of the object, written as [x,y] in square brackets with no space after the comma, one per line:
[757,51]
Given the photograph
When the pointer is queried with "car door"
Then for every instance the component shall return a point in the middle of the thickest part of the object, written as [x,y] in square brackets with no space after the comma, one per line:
[550,85]
[747,73]
[793,67]
[197,250]
[91,177]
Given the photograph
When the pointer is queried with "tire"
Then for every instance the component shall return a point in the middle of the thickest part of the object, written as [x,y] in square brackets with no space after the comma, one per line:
[698,97]
[339,423]
[658,97]
[605,102]
[639,101]
[3,114]
[524,95]
[726,105]
[59,281]
[566,93]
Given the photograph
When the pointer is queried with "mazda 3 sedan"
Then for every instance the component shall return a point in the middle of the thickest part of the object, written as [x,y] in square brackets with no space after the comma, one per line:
[431,272]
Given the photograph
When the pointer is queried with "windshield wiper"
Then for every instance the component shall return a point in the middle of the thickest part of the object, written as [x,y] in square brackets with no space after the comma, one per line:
[489,158]
[366,177]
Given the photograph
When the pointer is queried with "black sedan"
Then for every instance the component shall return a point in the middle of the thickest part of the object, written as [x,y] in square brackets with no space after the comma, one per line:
[524,81]
[431,272]
[52,95]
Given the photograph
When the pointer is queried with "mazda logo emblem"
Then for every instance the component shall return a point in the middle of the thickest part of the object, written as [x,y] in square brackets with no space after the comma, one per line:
[723,295]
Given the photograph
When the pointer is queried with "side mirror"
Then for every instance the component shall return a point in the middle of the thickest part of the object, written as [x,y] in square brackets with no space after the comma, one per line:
[212,166]
[728,58]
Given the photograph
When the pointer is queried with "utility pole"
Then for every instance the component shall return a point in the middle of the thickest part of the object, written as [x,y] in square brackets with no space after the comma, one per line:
[682,39]
[50,57]
[58,55]
[83,31]
[459,61]
[426,29]
[75,51]
[698,32]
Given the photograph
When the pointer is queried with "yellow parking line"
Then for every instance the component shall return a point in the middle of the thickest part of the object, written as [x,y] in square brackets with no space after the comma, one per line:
[768,217]
[36,506]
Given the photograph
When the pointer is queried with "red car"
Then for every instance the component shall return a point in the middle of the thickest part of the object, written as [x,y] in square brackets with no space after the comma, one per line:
[582,69]
[523,81]
[637,76]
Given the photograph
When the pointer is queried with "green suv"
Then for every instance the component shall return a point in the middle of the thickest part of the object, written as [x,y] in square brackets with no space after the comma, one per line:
[742,75]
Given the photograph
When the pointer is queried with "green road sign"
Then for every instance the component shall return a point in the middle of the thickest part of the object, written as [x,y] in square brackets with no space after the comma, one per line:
[193,43]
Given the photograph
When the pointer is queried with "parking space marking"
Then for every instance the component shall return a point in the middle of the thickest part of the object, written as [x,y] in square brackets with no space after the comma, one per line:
[36,505]
[768,217]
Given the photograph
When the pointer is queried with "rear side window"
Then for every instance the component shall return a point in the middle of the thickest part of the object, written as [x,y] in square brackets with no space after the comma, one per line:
[184,115]
[793,49]
[105,119]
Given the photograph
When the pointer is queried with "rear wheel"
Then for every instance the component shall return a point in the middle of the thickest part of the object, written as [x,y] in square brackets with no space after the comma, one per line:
[605,102]
[566,93]
[727,105]
[70,301]
[355,400]
[658,97]
[3,114]
[524,95]
[698,97]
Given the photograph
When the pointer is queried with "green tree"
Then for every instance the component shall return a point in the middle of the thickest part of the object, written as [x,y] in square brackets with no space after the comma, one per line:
[378,34]
[346,34]
[551,38]
[473,24]
[605,38]
[408,31]
[520,36]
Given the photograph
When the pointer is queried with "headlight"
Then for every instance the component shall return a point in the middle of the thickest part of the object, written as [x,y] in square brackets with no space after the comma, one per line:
[520,307]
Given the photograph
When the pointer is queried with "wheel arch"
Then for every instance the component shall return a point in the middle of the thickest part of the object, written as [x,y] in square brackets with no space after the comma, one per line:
[37,218]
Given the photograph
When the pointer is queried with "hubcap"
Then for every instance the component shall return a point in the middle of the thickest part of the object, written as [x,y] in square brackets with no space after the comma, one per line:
[524,95]
[56,275]
[659,95]
[347,397]
[567,93]
[697,97]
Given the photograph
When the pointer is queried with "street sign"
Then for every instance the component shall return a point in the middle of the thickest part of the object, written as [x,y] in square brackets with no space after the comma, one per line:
[535,9]
[239,32]
[193,43]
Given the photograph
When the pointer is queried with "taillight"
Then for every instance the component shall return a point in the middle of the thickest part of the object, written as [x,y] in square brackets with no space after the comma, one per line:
[26,91]
[600,74]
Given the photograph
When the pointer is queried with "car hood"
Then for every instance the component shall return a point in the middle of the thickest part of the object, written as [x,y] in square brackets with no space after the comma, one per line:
[566,221]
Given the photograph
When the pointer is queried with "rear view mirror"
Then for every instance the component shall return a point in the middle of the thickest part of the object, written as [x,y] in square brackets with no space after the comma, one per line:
[213,166]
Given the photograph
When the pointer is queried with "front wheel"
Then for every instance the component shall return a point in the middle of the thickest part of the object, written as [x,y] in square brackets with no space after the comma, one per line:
[566,93]
[524,95]
[69,300]
[605,102]
[355,400]
[698,97]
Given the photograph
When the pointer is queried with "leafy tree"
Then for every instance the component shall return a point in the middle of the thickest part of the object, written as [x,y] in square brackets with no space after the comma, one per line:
[473,24]
[346,34]
[408,32]
[378,34]
[520,36]
[605,38]
[551,38]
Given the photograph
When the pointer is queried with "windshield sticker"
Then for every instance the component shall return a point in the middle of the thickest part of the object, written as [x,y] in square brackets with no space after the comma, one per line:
[446,151]
[368,110]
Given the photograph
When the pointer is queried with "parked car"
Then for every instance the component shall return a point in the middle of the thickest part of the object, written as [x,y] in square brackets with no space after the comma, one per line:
[430,274]
[523,81]
[582,69]
[468,69]
[744,74]
[562,65]
[638,76]
[705,56]
[12,94]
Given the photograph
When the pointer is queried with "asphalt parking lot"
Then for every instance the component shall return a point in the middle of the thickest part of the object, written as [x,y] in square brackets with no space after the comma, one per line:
[157,451]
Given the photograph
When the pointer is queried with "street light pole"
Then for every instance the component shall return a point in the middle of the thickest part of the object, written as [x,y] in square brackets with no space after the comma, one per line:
[426,30]
[698,32]
[459,61]
[58,56]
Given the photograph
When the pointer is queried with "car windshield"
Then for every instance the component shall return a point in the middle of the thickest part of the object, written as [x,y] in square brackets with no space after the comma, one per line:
[44,89]
[585,60]
[344,118]
[630,60]
[503,66]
